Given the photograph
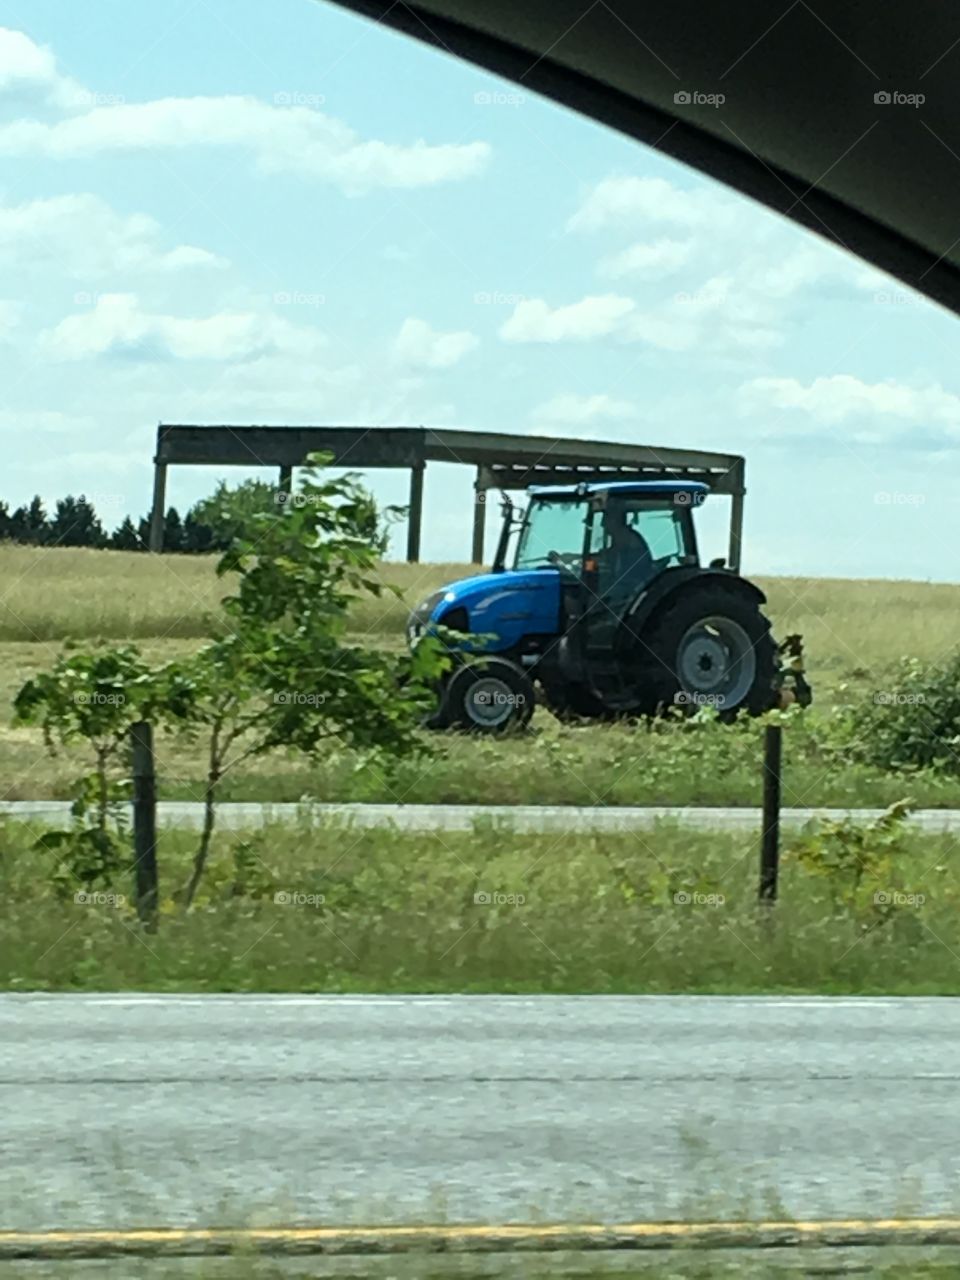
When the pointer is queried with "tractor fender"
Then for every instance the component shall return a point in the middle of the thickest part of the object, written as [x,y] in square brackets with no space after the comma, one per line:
[674,581]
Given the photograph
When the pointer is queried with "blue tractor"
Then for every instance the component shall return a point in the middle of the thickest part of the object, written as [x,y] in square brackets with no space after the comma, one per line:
[605,611]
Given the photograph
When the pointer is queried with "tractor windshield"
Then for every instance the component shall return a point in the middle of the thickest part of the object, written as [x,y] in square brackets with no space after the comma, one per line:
[553,534]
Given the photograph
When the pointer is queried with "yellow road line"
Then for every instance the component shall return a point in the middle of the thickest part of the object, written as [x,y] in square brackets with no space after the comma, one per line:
[184,1242]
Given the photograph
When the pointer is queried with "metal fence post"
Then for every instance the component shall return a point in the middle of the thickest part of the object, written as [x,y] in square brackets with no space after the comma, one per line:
[144,821]
[770,838]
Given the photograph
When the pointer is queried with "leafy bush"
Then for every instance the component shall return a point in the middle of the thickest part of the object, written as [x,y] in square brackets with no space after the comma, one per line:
[913,721]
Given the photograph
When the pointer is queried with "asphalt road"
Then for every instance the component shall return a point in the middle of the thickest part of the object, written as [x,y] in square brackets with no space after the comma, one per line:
[240,815]
[123,1111]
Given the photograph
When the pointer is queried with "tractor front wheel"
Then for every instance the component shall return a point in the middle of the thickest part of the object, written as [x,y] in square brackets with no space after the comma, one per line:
[490,696]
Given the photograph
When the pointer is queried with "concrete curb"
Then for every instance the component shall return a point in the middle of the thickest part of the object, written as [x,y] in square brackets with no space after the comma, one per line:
[393,1240]
[248,815]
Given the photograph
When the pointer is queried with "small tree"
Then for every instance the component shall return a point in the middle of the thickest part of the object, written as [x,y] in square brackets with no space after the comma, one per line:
[92,698]
[286,676]
[228,512]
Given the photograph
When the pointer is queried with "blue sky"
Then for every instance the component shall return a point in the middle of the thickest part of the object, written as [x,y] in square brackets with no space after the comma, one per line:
[217,211]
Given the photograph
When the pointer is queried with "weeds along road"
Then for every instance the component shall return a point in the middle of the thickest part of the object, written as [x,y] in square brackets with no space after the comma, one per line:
[127,1111]
[244,815]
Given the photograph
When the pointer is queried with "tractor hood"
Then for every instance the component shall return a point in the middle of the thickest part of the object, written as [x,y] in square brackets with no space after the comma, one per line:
[505,607]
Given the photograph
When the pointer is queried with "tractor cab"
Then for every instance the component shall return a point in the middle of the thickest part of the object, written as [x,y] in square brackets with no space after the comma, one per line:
[616,538]
[597,598]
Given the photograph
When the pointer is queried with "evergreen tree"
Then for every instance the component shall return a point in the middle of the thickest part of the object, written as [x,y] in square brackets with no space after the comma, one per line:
[36,525]
[173,531]
[5,521]
[124,537]
[76,524]
[197,536]
[143,533]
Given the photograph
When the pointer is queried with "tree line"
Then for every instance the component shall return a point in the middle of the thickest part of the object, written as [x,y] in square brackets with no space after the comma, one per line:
[210,525]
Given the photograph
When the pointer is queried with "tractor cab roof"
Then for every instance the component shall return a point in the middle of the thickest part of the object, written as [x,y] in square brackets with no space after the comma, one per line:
[638,488]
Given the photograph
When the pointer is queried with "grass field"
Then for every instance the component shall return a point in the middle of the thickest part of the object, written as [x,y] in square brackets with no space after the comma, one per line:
[333,909]
[853,632]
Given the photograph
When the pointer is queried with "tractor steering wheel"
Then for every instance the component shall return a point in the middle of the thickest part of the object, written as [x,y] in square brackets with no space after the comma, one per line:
[565,560]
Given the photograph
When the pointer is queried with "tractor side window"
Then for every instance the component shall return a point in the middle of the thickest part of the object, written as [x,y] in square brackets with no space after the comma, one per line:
[661,530]
[552,534]
[633,542]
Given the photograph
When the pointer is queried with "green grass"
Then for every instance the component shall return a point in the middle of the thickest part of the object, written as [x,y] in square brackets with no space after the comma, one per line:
[889,1264]
[399,913]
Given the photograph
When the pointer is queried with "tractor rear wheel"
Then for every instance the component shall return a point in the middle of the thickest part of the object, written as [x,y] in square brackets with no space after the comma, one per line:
[708,647]
[489,696]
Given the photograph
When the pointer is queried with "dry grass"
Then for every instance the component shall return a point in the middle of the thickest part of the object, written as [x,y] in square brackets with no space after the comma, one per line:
[60,593]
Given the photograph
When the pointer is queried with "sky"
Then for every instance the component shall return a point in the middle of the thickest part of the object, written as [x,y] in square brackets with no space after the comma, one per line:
[227,211]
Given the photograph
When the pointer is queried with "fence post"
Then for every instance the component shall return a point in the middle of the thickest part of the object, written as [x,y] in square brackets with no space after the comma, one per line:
[770,838]
[144,821]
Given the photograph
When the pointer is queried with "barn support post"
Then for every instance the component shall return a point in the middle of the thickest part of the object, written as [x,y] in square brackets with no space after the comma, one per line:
[736,516]
[481,486]
[415,512]
[285,482]
[158,509]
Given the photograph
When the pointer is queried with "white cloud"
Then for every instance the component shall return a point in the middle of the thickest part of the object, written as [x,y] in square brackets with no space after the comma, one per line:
[836,400]
[419,345]
[282,139]
[732,269]
[533,320]
[650,260]
[28,71]
[577,410]
[631,201]
[118,325]
[81,235]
